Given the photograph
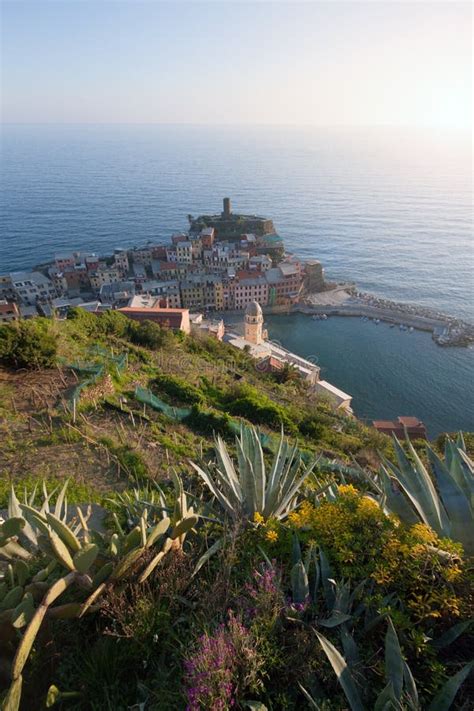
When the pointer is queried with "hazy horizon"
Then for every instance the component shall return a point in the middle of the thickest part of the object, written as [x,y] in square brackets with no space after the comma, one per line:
[325,64]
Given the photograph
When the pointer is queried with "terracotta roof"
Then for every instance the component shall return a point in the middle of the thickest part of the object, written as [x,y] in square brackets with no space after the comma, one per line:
[168,265]
[154,309]
[273,363]
[411,426]
[410,421]
[385,423]
[173,318]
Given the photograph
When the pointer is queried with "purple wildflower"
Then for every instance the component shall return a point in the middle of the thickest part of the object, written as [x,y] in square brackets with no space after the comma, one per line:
[209,673]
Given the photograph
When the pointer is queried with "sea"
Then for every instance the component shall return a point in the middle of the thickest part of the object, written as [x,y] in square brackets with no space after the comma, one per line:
[387,208]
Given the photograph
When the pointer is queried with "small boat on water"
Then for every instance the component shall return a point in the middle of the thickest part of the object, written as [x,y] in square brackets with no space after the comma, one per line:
[392,325]
[411,329]
[377,321]
[403,327]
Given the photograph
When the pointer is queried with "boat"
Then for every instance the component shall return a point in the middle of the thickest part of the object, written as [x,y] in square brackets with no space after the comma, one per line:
[411,329]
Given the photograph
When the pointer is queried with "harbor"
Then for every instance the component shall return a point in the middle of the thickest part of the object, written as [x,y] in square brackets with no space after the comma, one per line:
[345,300]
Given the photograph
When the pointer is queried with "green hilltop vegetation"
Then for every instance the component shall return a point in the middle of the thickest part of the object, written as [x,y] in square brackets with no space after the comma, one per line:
[181,531]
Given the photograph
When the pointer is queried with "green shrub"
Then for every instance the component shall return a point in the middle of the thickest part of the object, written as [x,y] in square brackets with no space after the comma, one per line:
[178,389]
[208,422]
[149,334]
[113,323]
[257,407]
[108,323]
[312,427]
[84,321]
[132,462]
[28,344]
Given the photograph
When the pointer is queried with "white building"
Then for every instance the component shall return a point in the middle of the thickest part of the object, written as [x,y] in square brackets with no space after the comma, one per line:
[338,398]
[31,287]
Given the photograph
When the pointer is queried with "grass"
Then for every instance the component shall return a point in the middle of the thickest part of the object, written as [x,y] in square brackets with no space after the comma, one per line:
[77,493]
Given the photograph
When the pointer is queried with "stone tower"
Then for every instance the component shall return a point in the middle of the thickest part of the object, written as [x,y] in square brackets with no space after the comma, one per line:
[254,323]
[227,209]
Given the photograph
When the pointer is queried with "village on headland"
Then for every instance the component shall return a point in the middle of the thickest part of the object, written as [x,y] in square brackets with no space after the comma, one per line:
[225,263]
[221,264]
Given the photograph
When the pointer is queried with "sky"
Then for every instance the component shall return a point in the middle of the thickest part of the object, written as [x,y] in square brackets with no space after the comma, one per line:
[291,63]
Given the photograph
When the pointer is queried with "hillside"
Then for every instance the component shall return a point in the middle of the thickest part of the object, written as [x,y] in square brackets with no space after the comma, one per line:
[109,444]
[235,587]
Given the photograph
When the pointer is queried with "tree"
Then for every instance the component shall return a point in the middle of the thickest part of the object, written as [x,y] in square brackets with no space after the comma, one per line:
[28,344]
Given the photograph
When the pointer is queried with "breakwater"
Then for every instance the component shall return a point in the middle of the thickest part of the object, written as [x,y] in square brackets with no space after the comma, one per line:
[446,330]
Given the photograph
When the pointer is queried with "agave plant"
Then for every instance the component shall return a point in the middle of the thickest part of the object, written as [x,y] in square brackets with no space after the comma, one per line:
[313,573]
[248,488]
[443,501]
[400,691]
[72,555]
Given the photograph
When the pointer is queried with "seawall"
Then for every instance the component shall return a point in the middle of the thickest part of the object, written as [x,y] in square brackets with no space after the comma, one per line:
[446,331]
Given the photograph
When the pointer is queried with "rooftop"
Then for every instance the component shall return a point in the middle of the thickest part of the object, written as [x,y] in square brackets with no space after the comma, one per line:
[34,277]
[153,309]
[332,390]
[254,309]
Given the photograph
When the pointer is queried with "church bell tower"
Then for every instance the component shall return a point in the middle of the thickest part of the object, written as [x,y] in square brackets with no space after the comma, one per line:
[253,324]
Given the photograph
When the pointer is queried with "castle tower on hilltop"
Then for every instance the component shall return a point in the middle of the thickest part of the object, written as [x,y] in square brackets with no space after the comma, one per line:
[227,209]
[253,323]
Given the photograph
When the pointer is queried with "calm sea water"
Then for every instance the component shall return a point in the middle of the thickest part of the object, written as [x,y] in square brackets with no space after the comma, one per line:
[388,209]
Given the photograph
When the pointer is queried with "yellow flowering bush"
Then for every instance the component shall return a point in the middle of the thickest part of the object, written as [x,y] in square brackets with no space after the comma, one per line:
[361,541]
[271,536]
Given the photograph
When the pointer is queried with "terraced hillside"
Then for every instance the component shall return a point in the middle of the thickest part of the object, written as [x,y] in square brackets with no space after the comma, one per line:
[163,546]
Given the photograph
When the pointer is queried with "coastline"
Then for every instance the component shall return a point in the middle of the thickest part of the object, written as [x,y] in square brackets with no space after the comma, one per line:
[344,300]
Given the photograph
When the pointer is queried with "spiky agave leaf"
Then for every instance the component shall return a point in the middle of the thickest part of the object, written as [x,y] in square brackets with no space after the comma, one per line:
[418,486]
[393,660]
[457,505]
[394,499]
[247,489]
[215,491]
[299,583]
[444,698]
[342,671]
[449,509]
